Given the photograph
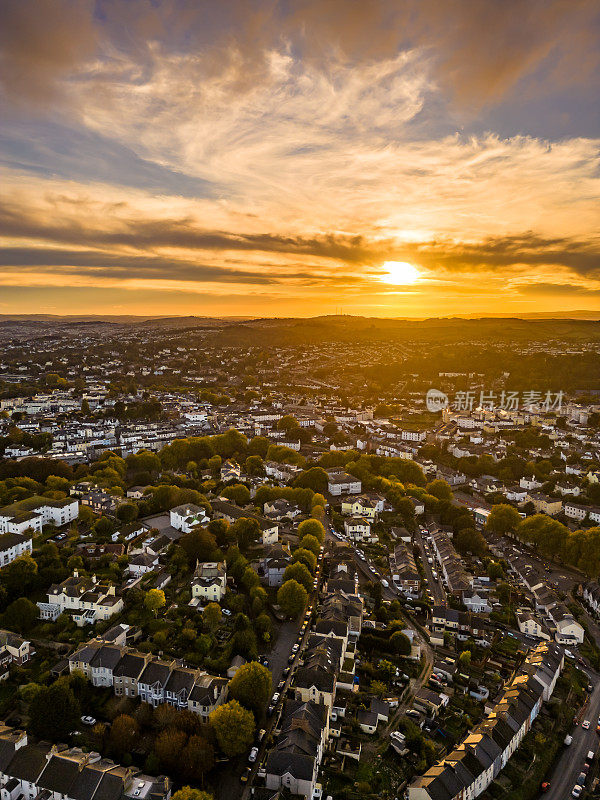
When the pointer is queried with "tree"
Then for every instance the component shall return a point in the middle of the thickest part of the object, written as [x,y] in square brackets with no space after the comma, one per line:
[19,575]
[54,713]
[312,527]
[252,686]
[310,542]
[85,408]
[465,658]
[127,512]
[306,557]
[197,758]
[378,688]
[292,598]
[314,478]
[168,746]
[254,465]
[21,615]
[299,572]
[502,519]
[439,489]
[154,600]
[187,793]
[233,726]
[237,493]
[211,616]
[400,643]
[245,531]
[199,545]
[470,540]
[123,734]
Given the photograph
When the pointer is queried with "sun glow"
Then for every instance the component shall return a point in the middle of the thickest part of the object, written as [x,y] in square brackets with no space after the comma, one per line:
[400,273]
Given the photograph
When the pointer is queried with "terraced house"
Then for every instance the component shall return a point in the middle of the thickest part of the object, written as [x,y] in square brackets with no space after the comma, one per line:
[469,769]
[155,681]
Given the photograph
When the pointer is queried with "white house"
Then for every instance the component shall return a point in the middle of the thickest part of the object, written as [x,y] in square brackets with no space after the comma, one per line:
[13,545]
[187,516]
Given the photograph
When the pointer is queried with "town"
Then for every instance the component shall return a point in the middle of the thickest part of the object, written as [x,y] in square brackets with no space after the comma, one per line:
[250,558]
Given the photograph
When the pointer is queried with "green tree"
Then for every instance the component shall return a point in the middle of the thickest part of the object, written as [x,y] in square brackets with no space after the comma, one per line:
[21,615]
[252,686]
[245,531]
[237,493]
[19,576]
[401,643]
[292,598]
[154,600]
[314,478]
[469,540]
[187,793]
[503,519]
[439,489]
[168,746]
[306,557]
[211,616]
[312,527]
[311,543]
[233,726]
[254,465]
[197,758]
[123,734]
[299,572]
[54,713]
[127,512]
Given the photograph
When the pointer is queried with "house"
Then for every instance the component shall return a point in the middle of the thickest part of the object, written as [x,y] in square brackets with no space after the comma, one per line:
[54,771]
[281,509]
[367,721]
[209,582]
[340,482]
[14,649]
[471,767]
[13,545]
[136,492]
[358,529]
[575,511]
[230,470]
[361,506]
[274,563]
[293,763]
[544,504]
[185,517]
[403,568]
[142,563]
[84,599]
[530,625]
[476,602]
[223,509]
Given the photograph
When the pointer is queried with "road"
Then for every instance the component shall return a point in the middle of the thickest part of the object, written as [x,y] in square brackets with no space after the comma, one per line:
[439,595]
[279,661]
[564,774]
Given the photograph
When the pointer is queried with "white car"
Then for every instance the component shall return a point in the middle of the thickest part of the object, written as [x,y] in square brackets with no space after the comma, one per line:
[577,790]
[585,724]
[275,699]
[253,755]
[88,720]
[226,611]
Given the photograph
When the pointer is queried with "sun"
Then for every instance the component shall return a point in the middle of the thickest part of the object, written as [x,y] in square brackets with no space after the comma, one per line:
[400,272]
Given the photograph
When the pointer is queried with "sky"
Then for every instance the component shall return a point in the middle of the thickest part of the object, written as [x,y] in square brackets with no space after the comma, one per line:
[269,158]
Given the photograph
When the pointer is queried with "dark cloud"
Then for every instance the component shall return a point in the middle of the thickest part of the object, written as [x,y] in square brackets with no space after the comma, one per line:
[479,50]
[41,42]
[557,289]
[357,252]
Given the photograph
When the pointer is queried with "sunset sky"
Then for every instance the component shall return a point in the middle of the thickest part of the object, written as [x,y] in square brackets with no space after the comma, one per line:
[268,158]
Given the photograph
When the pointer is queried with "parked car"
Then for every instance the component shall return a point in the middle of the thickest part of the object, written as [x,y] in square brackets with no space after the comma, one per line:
[88,720]
[253,755]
